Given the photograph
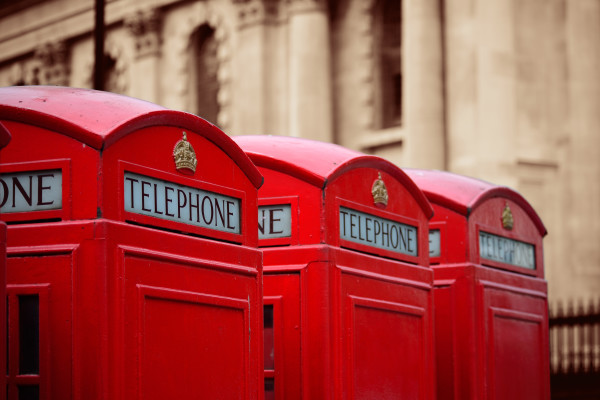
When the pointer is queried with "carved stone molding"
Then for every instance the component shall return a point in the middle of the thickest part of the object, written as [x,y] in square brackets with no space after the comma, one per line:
[116,69]
[53,67]
[258,12]
[19,74]
[145,26]
[303,6]
[177,45]
[116,80]
[26,72]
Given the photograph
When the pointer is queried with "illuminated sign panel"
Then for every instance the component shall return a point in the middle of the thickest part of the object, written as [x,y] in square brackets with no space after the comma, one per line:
[374,231]
[170,201]
[31,191]
[275,221]
[507,251]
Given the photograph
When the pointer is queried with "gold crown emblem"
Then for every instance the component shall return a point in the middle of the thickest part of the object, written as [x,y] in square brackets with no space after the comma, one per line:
[185,156]
[507,218]
[379,192]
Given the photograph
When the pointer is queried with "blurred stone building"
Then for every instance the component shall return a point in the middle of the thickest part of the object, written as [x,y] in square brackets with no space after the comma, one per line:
[504,90]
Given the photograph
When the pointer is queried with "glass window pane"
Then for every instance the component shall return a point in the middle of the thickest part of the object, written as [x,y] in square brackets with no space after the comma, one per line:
[30,392]
[269,389]
[390,32]
[269,338]
[206,68]
[7,319]
[29,334]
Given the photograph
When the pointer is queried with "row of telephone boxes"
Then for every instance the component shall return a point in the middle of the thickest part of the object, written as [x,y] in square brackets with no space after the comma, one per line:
[151,256]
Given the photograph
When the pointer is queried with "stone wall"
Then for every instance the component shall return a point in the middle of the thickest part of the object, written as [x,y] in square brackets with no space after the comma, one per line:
[503,90]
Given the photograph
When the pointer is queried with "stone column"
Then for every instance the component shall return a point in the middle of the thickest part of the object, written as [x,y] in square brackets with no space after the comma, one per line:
[481,90]
[145,27]
[310,81]
[460,38]
[423,84]
[581,197]
[255,73]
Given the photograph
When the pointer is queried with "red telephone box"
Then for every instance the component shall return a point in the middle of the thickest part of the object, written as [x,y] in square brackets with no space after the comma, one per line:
[490,294]
[347,290]
[133,271]
[4,139]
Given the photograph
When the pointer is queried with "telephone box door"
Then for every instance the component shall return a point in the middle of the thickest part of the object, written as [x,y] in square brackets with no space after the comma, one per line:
[281,296]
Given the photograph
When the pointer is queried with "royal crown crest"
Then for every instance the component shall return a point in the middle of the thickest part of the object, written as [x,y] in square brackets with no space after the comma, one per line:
[507,218]
[185,156]
[379,192]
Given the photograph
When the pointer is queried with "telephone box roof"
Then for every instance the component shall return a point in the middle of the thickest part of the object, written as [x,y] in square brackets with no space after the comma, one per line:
[4,136]
[99,119]
[464,194]
[318,162]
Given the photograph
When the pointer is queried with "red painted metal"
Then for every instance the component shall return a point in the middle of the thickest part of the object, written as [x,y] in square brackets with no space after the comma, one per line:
[491,315]
[4,140]
[132,304]
[349,320]
[99,119]
[4,136]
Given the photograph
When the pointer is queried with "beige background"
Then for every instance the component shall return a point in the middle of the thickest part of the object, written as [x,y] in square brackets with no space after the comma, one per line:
[503,90]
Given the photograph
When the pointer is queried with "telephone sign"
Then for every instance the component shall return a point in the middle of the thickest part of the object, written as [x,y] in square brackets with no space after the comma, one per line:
[383,233]
[506,250]
[166,200]
[434,243]
[30,191]
[274,221]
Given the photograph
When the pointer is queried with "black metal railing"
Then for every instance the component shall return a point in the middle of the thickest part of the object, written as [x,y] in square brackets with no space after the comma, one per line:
[575,350]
